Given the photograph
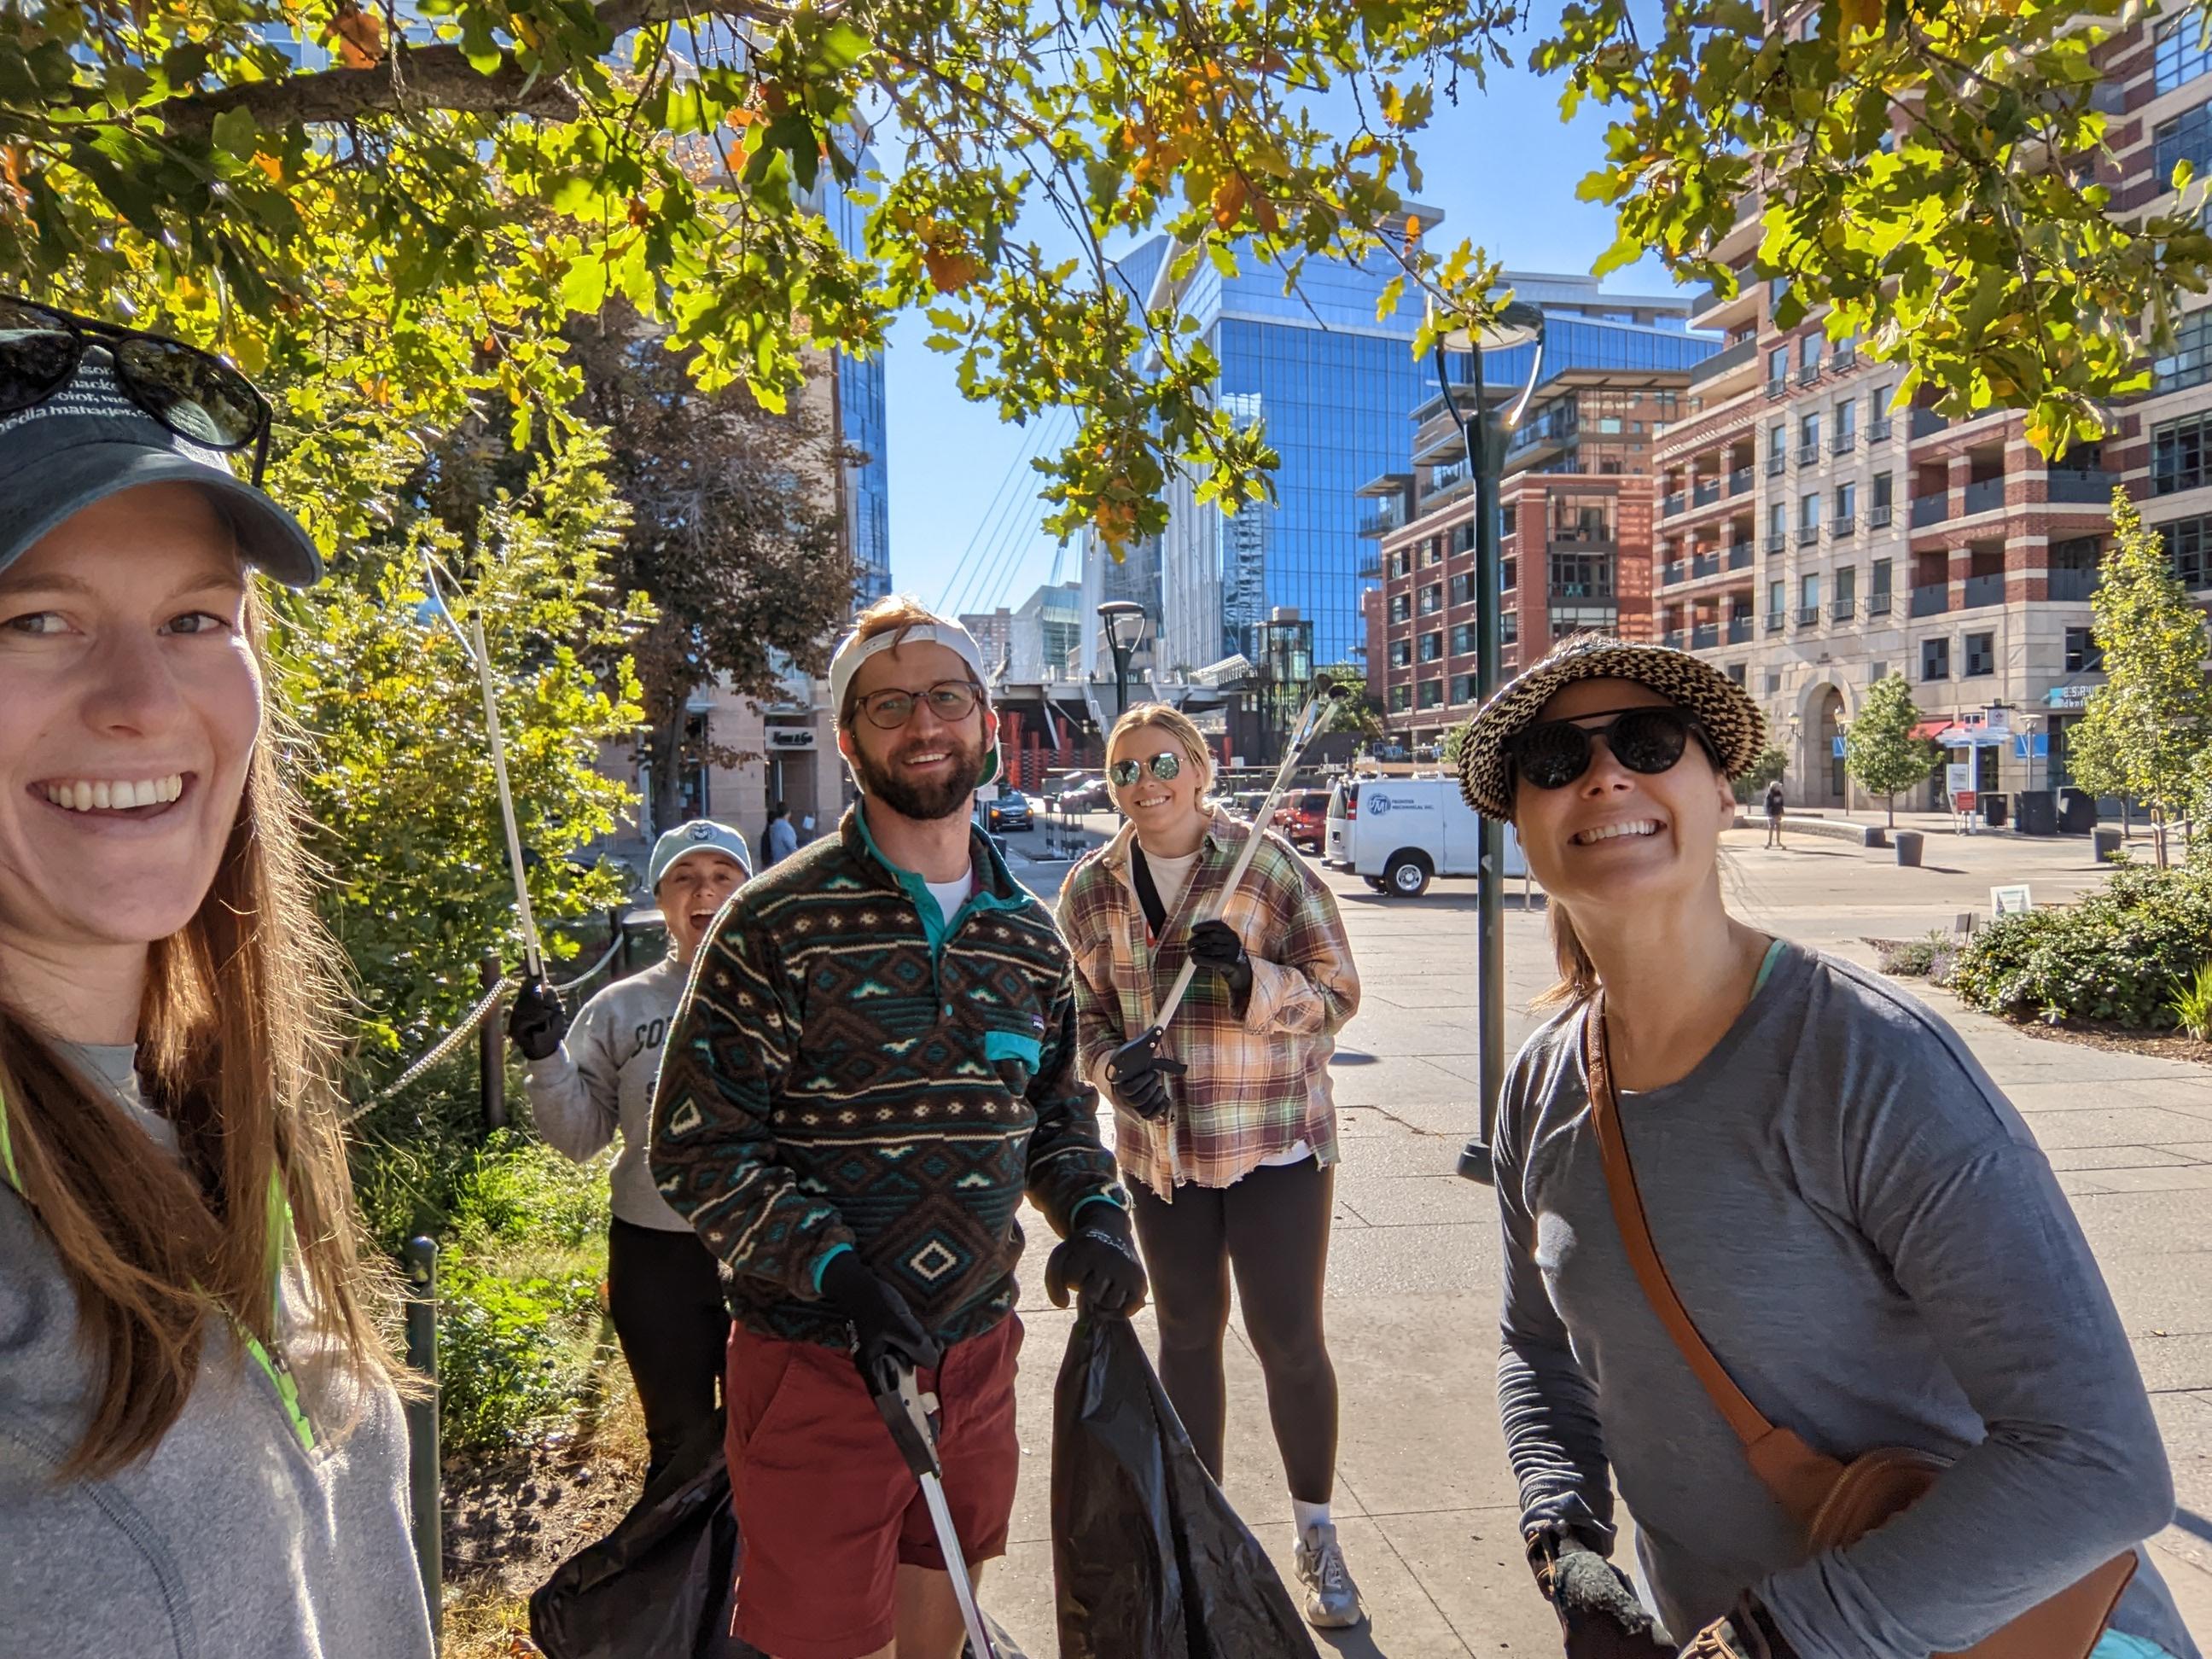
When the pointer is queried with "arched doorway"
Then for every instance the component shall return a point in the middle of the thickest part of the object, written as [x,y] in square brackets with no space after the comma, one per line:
[1825,784]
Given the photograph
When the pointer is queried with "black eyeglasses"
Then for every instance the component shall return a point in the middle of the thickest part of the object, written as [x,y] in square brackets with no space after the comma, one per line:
[192,394]
[949,700]
[1164,765]
[1647,740]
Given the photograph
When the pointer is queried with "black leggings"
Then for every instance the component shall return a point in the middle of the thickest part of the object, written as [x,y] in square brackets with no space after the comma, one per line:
[666,1300]
[1273,1228]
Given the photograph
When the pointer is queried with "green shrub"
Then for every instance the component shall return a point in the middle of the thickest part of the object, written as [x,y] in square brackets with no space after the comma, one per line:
[2114,956]
[1931,957]
[517,1190]
[513,1353]
[2192,1006]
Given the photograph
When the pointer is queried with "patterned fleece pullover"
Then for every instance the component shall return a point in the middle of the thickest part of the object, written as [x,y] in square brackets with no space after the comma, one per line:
[849,1070]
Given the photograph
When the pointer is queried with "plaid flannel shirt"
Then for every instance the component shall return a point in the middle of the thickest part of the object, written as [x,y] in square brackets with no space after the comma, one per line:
[1257,1085]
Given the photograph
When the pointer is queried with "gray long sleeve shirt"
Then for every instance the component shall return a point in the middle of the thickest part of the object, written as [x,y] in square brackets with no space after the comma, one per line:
[599,1082]
[231,1539]
[1871,1243]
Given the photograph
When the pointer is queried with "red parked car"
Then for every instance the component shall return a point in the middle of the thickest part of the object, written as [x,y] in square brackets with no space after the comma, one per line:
[1302,819]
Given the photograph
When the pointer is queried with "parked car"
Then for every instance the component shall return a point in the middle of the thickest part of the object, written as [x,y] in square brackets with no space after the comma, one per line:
[1245,803]
[1401,833]
[1091,797]
[1008,815]
[1302,819]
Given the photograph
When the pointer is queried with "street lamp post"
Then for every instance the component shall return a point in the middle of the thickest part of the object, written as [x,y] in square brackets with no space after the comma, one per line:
[1124,622]
[1487,437]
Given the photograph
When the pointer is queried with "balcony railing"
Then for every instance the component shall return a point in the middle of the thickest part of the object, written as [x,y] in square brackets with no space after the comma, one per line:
[1932,600]
[1808,452]
[1704,495]
[1843,525]
[1774,621]
[1931,510]
[1739,556]
[1670,505]
[1675,638]
[1809,372]
[1705,564]
[1985,590]
[1441,478]
[1738,630]
[1808,615]
[1879,428]
[2091,487]
[1777,545]
[1926,423]
[2072,584]
[1777,462]
[1704,636]
[1807,534]
[1878,516]
[1579,591]
[1878,603]
[1778,387]
[1384,518]
[1846,359]
[1670,573]
[1840,610]
[1843,442]
[1985,496]
[1739,481]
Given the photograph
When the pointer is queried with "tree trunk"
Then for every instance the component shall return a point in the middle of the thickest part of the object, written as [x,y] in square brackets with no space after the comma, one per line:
[1892,799]
[665,753]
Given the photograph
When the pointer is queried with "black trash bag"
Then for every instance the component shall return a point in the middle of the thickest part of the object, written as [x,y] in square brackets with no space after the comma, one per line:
[657,1586]
[1148,1560]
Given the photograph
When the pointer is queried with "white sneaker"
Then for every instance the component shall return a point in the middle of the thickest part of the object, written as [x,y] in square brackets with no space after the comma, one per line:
[1332,1599]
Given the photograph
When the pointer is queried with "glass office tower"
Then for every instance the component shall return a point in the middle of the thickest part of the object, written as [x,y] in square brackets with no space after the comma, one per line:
[861,420]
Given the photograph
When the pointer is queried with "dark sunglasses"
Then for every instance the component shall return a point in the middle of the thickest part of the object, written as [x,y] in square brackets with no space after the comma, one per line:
[1649,740]
[1164,765]
[192,394]
[949,700]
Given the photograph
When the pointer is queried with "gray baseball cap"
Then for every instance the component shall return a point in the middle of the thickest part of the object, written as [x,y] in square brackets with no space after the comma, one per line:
[700,836]
[89,441]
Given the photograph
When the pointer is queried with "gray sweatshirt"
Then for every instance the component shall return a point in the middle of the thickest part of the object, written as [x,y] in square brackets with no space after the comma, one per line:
[231,1540]
[1868,1238]
[601,1080]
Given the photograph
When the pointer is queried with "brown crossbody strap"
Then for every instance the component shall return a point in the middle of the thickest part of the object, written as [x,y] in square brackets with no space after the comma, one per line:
[1797,1475]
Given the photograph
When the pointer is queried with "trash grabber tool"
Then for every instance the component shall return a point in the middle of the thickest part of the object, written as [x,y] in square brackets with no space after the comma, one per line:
[906,1412]
[1324,695]
[472,646]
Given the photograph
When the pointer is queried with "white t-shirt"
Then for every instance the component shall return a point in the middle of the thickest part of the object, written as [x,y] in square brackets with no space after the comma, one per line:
[952,894]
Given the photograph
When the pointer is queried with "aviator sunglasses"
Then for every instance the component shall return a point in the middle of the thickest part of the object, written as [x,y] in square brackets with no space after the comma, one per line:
[1646,740]
[1166,765]
[192,394]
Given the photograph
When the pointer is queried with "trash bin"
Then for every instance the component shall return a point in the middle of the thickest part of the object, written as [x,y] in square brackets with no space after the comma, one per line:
[2036,812]
[2077,812]
[2104,843]
[1908,847]
[1993,811]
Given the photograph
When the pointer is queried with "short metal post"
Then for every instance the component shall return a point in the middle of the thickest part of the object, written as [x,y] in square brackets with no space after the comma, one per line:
[491,1039]
[621,968]
[424,1482]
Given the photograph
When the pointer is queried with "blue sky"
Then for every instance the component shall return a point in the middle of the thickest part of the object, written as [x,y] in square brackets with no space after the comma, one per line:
[1502,167]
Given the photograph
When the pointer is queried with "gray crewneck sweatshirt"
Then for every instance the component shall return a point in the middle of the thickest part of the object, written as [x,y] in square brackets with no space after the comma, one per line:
[1874,1247]
[231,1539]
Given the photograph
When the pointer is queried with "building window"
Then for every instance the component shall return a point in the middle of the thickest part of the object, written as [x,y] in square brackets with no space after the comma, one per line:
[1401,654]
[1808,435]
[1462,688]
[1432,599]
[1401,607]
[1507,576]
[1401,561]
[1462,588]
[1432,647]
[1881,567]
[2189,550]
[1775,590]
[1508,628]
[1401,698]
[1432,693]
[1847,584]
[1847,499]
[1847,422]
[2190,363]
[2177,454]
[1432,550]
[1508,521]
[1463,640]
[1883,488]
[1462,537]
[1778,365]
[2180,56]
[1778,441]
[2187,137]
[1735,673]
[1809,592]
[1809,351]
[1935,659]
[1808,511]
[1582,575]
[1773,682]
[1981,655]
[1778,520]
[2083,654]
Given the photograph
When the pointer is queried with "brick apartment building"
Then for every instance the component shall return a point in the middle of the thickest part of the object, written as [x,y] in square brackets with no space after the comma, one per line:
[1812,539]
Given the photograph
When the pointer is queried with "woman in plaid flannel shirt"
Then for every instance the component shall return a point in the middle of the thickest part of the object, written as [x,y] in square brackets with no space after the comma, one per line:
[1228,1139]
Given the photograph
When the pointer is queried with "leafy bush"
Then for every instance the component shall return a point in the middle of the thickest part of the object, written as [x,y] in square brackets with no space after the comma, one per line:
[2192,1006]
[518,1191]
[2114,957]
[513,1353]
[1932,958]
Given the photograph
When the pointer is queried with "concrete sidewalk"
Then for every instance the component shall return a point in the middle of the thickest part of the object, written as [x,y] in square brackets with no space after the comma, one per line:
[1426,1503]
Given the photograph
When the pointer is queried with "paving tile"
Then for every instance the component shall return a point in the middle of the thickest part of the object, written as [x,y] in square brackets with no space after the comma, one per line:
[2067,1094]
[1470,1565]
[1415,1200]
[2066,1158]
[2113,1126]
[2187,1178]
[2138,1224]
[2175,1363]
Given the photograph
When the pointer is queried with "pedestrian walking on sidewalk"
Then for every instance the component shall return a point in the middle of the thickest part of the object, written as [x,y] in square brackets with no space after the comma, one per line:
[1230,1140]
[1870,1248]
[202,1447]
[592,1081]
[1774,813]
[779,840]
[875,1061]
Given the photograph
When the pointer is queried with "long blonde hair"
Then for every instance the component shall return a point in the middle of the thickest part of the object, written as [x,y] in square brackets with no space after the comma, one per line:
[1178,725]
[237,1041]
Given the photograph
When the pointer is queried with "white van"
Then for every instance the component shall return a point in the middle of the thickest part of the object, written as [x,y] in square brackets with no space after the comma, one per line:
[1401,833]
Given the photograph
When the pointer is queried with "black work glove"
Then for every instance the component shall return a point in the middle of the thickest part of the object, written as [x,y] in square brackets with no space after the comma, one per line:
[1749,1632]
[885,1333]
[1600,1616]
[1137,1078]
[1214,946]
[1098,1261]
[537,1023]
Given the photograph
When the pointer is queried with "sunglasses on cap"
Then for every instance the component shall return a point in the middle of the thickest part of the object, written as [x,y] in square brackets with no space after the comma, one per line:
[1647,740]
[1164,765]
[192,394]
[949,700]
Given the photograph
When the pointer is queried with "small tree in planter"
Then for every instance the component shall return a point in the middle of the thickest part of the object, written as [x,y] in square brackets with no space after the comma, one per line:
[1772,763]
[1880,751]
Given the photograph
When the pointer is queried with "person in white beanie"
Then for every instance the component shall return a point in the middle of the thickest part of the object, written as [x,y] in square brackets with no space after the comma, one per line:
[590,1081]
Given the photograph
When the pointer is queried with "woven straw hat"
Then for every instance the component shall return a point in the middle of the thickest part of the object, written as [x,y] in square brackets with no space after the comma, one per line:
[1730,718]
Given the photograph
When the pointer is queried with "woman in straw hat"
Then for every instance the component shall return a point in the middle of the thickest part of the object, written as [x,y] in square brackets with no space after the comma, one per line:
[1860,1228]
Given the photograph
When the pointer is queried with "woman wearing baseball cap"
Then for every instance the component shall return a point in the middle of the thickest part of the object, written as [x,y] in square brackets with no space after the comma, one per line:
[201,1449]
[592,1080]
[1867,1250]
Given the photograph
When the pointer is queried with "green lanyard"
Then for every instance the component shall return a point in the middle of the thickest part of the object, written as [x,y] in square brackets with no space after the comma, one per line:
[272,1364]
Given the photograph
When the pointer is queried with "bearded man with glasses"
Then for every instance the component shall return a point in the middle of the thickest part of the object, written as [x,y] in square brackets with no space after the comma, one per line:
[875,1060]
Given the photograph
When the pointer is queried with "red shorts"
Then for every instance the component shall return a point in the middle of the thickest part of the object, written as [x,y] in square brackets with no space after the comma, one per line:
[828,1510]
